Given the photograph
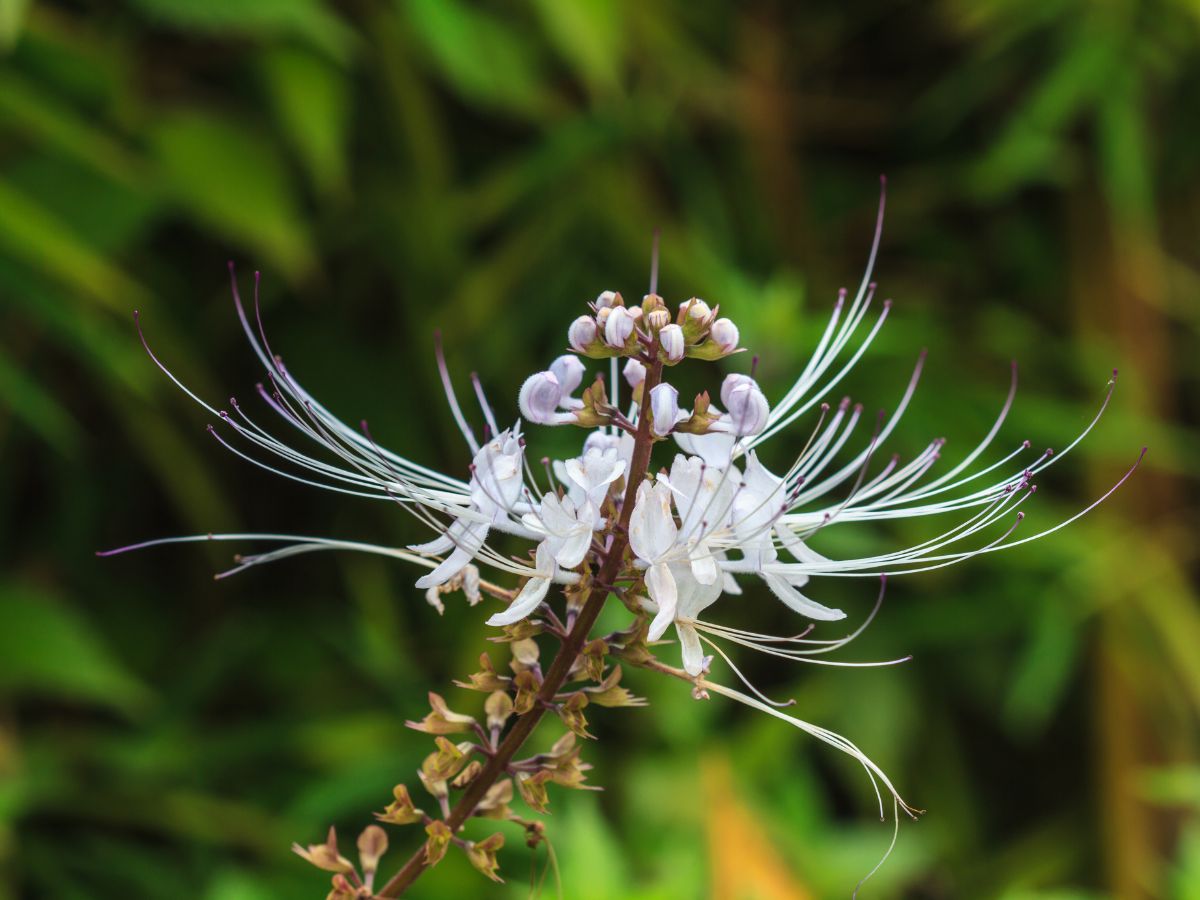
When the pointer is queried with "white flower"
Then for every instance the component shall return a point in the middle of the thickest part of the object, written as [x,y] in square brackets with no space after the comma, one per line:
[568,528]
[725,334]
[594,471]
[652,534]
[757,507]
[664,408]
[672,342]
[703,497]
[582,333]
[693,598]
[495,488]
[534,591]
[618,326]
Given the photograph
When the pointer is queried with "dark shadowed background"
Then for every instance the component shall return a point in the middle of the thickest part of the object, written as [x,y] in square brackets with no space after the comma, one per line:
[487,169]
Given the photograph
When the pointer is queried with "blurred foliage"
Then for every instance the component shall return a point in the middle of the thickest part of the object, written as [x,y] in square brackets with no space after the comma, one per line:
[487,167]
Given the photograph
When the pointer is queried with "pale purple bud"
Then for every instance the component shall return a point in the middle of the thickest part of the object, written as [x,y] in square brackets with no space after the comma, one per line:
[746,405]
[568,369]
[636,312]
[634,372]
[697,308]
[618,326]
[539,399]
[606,299]
[582,333]
[671,339]
[664,408]
[725,333]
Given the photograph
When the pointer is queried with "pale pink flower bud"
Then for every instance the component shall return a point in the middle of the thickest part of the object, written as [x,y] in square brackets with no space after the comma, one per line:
[664,407]
[671,339]
[697,308]
[618,326]
[539,398]
[582,333]
[725,333]
[636,312]
[634,372]
[747,406]
[568,369]
[606,299]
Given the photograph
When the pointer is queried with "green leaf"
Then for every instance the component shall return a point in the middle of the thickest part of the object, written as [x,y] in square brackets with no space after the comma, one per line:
[482,56]
[47,649]
[35,235]
[306,19]
[311,103]
[12,21]
[587,34]
[36,406]
[233,180]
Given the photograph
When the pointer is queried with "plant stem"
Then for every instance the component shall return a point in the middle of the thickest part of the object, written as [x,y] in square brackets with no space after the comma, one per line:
[563,661]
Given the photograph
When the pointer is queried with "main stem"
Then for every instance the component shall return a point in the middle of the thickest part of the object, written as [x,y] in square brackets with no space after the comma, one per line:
[568,652]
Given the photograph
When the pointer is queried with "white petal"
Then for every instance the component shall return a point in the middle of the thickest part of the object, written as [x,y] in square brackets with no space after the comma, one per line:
[798,602]
[661,585]
[704,567]
[436,547]
[574,548]
[447,569]
[800,550]
[527,601]
[652,529]
[468,542]
[693,653]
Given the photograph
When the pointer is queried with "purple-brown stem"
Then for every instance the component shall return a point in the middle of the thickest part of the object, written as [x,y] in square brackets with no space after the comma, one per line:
[563,661]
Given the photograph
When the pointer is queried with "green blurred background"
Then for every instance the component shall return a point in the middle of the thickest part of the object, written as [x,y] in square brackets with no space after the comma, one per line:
[487,168]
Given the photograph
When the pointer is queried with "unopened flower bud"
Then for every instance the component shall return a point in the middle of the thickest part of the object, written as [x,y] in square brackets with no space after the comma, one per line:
[607,299]
[602,315]
[658,319]
[539,398]
[725,334]
[568,370]
[600,440]
[664,409]
[671,339]
[634,372]
[697,308]
[636,312]
[651,302]
[618,326]
[582,333]
[747,406]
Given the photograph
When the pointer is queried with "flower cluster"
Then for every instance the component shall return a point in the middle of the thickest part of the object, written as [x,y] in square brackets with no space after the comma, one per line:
[667,508]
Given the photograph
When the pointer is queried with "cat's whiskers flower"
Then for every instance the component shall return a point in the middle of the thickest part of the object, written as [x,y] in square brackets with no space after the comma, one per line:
[715,516]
